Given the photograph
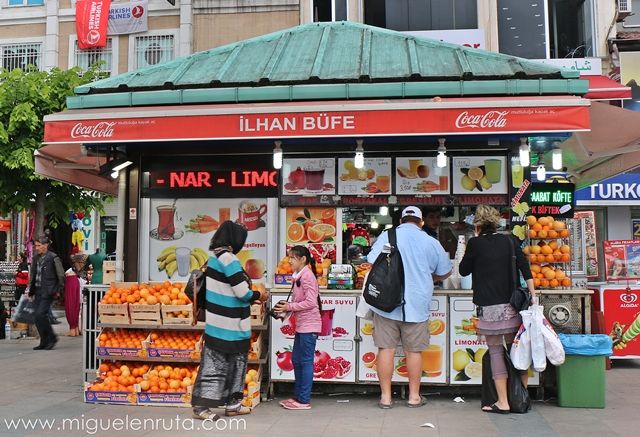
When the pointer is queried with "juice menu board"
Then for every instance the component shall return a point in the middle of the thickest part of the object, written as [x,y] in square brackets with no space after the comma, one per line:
[415,176]
[373,179]
[182,229]
[335,348]
[622,259]
[434,358]
[480,175]
[621,308]
[308,177]
[465,347]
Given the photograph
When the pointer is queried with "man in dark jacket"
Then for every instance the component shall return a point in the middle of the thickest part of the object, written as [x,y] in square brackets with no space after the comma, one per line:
[46,281]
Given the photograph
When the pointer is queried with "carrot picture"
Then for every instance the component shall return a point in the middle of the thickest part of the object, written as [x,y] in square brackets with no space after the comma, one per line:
[202,224]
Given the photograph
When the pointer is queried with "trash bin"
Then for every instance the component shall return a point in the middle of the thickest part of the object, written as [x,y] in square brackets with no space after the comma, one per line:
[581,379]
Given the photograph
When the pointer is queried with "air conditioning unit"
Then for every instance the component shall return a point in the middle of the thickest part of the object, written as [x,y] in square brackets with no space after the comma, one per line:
[624,6]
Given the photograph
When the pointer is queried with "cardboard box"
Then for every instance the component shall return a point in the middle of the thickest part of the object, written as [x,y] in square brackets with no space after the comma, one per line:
[122,352]
[192,354]
[280,279]
[108,397]
[164,399]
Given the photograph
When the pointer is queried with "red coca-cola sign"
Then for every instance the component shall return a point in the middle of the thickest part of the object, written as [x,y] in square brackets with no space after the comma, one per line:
[101,129]
[491,119]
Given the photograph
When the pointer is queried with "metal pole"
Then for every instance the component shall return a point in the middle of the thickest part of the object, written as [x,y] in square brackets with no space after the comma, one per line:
[122,194]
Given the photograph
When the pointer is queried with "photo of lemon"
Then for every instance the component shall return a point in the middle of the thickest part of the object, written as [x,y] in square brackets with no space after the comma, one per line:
[475,173]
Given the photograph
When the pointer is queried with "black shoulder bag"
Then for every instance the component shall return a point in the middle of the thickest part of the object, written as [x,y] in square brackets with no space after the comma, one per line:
[384,288]
[520,297]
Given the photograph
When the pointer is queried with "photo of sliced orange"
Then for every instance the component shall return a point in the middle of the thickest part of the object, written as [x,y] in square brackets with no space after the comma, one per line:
[295,232]
[315,235]
[327,229]
[436,326]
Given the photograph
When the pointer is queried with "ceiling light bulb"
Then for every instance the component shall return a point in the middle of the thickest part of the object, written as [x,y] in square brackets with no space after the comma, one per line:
[374,224]
[556,159]
[121,166]
[541,173]
[441,159]
[359,158]
[277,156]
[115,174]
[525,159]
[384,210]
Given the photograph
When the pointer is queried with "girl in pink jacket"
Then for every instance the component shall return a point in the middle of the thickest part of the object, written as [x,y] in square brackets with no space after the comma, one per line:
[305,304]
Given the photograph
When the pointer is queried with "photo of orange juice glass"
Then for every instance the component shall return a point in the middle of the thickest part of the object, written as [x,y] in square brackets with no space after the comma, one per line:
[444,183]
[432,360]
[383,182]
[413,165]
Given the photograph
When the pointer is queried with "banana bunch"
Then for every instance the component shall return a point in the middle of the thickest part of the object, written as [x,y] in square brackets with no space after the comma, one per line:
[167,260]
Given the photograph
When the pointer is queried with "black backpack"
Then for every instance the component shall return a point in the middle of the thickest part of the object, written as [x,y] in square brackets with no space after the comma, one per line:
[384,288]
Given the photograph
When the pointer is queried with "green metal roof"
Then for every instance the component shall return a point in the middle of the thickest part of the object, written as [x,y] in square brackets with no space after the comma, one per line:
[275,66]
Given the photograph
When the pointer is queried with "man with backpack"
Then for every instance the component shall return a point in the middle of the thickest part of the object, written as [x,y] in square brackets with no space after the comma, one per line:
[423,261]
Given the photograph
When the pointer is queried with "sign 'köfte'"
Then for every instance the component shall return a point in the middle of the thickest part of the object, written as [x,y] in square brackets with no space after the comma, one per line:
[553,199]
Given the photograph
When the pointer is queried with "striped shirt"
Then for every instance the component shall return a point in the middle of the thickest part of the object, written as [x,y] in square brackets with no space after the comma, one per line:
[228,324]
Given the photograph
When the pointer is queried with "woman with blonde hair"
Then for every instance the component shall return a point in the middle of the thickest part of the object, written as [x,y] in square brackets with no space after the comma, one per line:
[488,260]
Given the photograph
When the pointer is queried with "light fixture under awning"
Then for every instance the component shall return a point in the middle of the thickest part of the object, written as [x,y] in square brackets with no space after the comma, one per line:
[603,88]
[611,147]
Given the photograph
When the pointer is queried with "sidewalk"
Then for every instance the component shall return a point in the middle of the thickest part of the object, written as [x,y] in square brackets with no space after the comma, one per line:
[48,385]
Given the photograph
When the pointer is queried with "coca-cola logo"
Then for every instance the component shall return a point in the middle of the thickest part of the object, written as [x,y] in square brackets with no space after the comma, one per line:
[102,129]
[629,297]
[491,119]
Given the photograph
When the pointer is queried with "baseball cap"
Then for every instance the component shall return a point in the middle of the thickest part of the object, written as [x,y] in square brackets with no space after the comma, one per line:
[413,211]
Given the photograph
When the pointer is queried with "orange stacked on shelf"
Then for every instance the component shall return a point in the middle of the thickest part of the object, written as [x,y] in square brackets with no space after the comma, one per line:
[183,340]
[147,294]
[168,379]
[124,338]
[547,253]
[119,377]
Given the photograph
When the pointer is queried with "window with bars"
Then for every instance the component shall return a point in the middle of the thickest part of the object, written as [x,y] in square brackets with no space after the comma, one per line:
[102,57]
[329,10]
[21,55]
[153,49]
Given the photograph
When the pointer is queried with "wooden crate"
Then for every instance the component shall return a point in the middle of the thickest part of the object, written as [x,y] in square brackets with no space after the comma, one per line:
[145,314]
[257,314]
[114,313]
[170,319]
[255,349]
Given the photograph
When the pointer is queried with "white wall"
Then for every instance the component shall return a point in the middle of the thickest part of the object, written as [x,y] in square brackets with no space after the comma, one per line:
[619,223]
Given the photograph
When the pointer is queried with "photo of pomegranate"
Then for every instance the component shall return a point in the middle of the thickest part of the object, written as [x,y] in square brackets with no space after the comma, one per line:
[297,179]
[325,367]
[284,360]
[339,331]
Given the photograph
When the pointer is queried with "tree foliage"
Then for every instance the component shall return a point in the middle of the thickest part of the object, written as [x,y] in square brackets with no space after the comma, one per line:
[25,98]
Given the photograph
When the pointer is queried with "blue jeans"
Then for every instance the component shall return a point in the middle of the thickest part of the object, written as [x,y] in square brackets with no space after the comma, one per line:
[304,348]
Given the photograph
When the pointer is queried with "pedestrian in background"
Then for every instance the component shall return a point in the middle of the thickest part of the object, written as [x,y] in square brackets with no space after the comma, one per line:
[22,277]
[47,281]
[488,259]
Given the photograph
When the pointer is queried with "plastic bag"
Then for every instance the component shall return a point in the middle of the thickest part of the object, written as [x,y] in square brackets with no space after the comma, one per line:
[521,349]
[363,310]
[25,311]
[586,344]
[552,344]
[519,400]
[538,354]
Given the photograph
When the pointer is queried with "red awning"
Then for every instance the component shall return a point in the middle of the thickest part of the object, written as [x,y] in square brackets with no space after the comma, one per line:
[461,116]
[603,88]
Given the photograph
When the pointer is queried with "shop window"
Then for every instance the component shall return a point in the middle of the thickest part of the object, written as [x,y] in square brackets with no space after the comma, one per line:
[633,20]
[153,50]
[25,2]
[21,56]
[329,10]
[404,15]
[571,28]
[100,56]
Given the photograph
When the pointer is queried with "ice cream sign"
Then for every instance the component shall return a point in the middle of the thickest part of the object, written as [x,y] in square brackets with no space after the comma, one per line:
[554,199]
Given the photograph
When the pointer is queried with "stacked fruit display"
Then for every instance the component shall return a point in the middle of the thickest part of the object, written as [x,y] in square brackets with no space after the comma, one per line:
[168,379]
[182,340]
[119,377]
[251,388]
[322,269]
[166,293]
[122,338]
[548,252]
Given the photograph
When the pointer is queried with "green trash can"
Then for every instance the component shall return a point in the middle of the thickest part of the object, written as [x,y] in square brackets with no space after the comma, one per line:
[581,382]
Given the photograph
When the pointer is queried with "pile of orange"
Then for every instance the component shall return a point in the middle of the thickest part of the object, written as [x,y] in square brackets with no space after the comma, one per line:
[148,294]
[125,338]
[119,377]
[251,382]
[550,252]
[549,277]
[167,379]
[183,340]
[546,228]
[284,267]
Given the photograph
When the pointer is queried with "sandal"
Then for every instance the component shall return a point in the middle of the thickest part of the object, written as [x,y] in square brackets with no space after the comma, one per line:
[205,414]
[422,402]
[494,409]
[383,406]
[240,410]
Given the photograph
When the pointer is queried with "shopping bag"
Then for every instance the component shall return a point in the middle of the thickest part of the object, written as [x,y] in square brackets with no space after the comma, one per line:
[519,400]
[552,344]
[538,354]
[521,348]
[25,311]
[363,310]
[489,396]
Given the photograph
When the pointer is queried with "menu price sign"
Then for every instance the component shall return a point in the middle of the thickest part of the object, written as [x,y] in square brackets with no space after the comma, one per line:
[373,179]
[308,177]
[552,199]
[335,346]
[480,175]
[416,175]
[622,259]
[434,358]
[584,250]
